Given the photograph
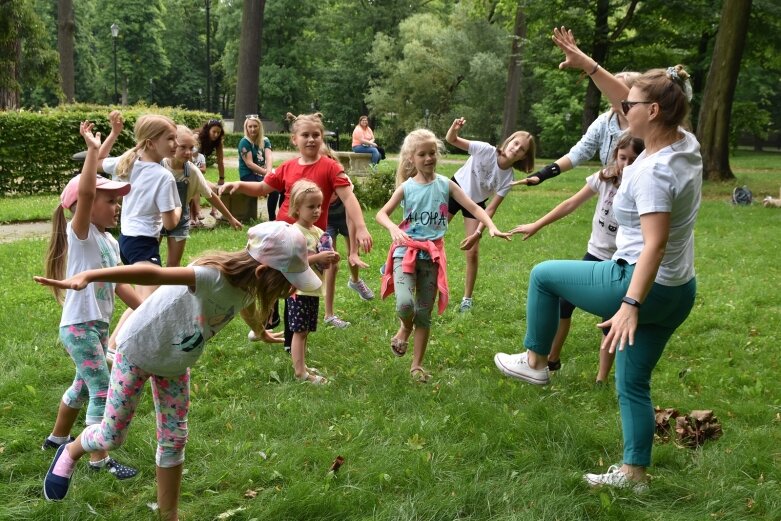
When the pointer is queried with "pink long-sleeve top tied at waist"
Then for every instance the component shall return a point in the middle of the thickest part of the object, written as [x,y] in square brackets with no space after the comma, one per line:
[436,249]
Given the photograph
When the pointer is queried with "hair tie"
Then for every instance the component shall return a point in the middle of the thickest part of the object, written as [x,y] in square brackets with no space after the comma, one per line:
[684,84]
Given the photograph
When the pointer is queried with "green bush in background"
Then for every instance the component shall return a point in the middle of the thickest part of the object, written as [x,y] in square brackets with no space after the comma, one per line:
[36,147]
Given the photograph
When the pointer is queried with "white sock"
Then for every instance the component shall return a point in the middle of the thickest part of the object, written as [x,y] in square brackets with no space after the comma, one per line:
[59,439]
[99,464]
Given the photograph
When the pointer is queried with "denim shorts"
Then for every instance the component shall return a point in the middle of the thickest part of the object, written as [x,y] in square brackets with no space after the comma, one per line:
[139,249]
[453,206]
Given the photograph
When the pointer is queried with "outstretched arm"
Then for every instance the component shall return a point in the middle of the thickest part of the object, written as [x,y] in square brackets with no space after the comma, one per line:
[143,274]
[560,211]
[87,182]
[252,189]
[458,194]
[117,123]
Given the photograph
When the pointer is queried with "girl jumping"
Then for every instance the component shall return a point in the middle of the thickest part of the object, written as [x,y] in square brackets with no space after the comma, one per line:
[166,336]
[416,265]
[601,244]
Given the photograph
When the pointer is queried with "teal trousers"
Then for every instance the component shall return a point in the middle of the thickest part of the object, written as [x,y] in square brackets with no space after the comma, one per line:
[597,287]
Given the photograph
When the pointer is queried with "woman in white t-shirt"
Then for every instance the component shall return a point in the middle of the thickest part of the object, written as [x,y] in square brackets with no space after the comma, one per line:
[601,244]
[487,173]
[648,288]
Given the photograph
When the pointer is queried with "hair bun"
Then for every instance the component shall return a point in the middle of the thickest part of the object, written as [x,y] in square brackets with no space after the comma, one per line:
[680,77]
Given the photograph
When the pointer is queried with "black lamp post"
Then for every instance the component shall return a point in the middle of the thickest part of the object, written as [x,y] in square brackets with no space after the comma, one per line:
[114,34]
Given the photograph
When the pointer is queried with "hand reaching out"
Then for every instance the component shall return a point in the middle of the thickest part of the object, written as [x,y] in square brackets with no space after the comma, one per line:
[355,260]
[574,58]
[92,140]
[227,187]
[526,181]
[527,230]
[77,282]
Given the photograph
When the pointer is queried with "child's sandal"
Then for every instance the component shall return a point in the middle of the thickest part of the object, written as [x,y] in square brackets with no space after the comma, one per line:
[399,346]
[420,375]
[314,379]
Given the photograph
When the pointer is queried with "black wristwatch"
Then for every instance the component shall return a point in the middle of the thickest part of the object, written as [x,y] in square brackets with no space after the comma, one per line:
[631,302]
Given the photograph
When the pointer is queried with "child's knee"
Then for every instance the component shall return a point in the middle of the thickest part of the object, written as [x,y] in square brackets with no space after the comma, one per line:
[405,310]
[170,446]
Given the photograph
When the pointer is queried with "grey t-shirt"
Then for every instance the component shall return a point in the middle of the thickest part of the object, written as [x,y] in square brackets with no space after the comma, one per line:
[167,333]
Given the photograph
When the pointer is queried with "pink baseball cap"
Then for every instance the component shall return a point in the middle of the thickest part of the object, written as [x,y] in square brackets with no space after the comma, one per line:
[282,246]
[71,193]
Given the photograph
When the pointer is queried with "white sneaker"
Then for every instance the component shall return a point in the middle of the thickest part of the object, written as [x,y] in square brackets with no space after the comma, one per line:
[517,366]
[336,322]
[615,478]
[252,336]
[361,288]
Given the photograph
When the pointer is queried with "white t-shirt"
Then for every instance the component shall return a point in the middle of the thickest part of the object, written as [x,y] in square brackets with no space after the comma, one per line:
[196,184]
[153,191]
[96,301]
[668,181]
[167,333]
[602,243]
[481,177]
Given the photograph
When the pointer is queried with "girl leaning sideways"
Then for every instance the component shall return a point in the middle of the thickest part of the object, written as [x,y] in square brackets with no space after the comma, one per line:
[648,288]
[80,244]
[190,185]
[303,308]
[166,336]
[416,268]
[328,174]
[488,173]
[255,159]
[601,244]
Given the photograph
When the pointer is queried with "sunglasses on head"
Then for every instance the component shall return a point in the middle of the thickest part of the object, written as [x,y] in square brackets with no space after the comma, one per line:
[626,106]
[251,116]
[213,122]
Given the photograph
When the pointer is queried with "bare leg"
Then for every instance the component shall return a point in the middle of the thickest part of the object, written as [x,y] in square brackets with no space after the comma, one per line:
[355,272]
[536,361]
[175,252]
[559,339]
[420,345]
[66,417]
[169,484]
[298,353]
[470,225]
[605,363]
[330,288]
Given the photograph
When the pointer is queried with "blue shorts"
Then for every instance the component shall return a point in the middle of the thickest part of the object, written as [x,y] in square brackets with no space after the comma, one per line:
[337,221]
[139,249]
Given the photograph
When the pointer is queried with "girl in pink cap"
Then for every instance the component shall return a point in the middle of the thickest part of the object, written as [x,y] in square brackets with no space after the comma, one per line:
[165,336]
[75,246]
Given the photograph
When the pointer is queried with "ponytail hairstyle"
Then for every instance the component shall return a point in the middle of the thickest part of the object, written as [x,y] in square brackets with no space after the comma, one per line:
[207,145]
[147,128]
[241,269]
[414,139]
[296,121]
[57,253]
[671,90]
[526,163]
[299,192]
[611,172]
[259,140]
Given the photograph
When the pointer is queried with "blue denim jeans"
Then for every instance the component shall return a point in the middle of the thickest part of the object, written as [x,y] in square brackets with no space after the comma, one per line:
[363,149]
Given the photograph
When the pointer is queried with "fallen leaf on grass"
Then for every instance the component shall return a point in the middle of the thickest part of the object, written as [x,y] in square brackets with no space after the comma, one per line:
[230,513]
[336,465]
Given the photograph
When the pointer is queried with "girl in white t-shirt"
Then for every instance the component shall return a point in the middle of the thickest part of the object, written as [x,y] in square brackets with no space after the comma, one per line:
[601,244]
[190,185]
[487,173]
[86,244]
[166,336]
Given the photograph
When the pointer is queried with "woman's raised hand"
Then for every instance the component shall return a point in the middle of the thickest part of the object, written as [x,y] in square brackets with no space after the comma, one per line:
[574,58]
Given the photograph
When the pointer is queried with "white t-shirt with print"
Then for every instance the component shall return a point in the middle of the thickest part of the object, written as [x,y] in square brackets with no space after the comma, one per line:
[152,192]
[168,331]
[668,181]
[604,227]
[481,177]
[96,301]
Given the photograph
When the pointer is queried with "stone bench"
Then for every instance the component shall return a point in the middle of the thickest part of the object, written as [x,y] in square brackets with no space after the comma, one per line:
[355,163]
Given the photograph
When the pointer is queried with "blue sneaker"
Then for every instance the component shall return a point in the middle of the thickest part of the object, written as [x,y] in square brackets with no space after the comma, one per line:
[55,488]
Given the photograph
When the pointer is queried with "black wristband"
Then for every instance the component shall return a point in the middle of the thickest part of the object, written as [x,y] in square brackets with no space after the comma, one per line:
[547,172]
[631,302]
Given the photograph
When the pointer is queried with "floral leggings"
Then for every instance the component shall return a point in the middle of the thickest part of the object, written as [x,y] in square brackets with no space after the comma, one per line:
[415,292]
[172,402]
[86,343]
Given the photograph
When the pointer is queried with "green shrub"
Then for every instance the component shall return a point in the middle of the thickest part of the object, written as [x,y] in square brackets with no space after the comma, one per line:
[36,147]
[375,190]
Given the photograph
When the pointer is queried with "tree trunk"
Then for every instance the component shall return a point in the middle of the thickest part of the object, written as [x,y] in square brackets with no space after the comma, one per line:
[65,43]
[11,47]
[600,46]
[514,70]
[716,107]
[249,60]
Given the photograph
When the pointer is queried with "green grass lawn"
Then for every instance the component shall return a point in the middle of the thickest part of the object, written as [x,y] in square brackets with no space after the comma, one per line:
[471,444]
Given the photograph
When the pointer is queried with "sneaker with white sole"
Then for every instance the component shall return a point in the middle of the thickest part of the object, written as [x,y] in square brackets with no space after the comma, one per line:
[336,322]
[361,288]
[615,478]
[252,337]
[517,366]
[466,305]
